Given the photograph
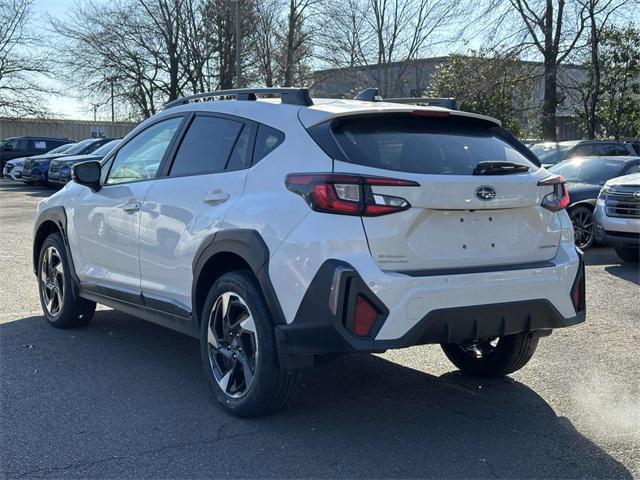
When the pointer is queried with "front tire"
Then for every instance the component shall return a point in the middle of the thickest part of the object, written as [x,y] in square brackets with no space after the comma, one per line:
[238,348]
[628,254]
[60,307]
[492,358]
[584,226]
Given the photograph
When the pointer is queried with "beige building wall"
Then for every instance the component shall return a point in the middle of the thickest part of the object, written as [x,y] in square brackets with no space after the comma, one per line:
[73,129]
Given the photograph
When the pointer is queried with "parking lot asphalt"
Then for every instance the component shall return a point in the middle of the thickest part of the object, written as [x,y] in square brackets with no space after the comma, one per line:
[123,398]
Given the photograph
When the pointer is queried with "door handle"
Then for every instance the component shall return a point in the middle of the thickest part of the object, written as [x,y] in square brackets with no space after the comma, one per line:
[215,197]
[132,207]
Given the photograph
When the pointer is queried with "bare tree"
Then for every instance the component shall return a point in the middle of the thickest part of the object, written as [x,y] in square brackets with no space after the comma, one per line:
[554,29]
[297,42]
[104,45]
[20,91]
[384,36]
[264,40]
[600,15]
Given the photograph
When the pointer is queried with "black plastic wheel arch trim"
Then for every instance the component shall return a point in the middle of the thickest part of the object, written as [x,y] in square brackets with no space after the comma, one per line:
[248,245]
[58,216]
[316,326]
[579,282]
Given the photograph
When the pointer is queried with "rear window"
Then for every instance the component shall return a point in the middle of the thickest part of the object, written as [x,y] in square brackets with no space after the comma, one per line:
[440,146]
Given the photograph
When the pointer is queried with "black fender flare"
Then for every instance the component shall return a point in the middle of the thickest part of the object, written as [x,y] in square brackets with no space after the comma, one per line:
[249,245]
[58,216]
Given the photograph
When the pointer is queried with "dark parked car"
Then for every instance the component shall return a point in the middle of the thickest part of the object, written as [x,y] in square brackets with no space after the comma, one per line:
[36,169]
[13,168]
[585,177]
[17,147]
[60,168]
[551,153]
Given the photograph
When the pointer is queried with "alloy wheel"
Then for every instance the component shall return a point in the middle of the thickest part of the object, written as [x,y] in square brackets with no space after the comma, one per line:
[583,227]
[52,281]
[232,344]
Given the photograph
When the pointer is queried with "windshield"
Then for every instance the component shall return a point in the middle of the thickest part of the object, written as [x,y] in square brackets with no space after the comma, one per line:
[418,144]
[550,152]
[595,171]
[62,148]
[82,147]
[106,148]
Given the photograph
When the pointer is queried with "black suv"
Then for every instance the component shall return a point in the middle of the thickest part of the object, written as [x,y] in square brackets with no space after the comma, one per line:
[17,147]
[550,153]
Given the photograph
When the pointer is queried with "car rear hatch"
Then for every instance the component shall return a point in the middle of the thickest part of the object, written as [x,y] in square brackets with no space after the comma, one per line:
[477,202]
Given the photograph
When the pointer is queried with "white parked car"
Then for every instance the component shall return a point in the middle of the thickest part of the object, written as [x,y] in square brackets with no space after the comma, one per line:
[13,168]
[618,216]
[279,230]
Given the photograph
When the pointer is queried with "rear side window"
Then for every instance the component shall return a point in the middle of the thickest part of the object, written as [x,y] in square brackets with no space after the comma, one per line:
[241,155]
[440,146]
[267,140]
[206,146]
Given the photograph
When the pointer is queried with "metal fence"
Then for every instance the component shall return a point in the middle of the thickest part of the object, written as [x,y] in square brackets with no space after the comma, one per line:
[73,129]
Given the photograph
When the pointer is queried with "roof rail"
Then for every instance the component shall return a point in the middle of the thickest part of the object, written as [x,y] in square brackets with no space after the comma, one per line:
[291,96]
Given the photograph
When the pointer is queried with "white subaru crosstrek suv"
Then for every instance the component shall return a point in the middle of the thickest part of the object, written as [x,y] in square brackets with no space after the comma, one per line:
[277,230]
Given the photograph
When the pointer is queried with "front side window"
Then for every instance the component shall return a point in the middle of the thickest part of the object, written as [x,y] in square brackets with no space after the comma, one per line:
[140,158]
[19,144]
[206,146]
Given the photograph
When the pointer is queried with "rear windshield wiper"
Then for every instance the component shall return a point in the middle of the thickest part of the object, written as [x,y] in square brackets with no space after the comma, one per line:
[499,168]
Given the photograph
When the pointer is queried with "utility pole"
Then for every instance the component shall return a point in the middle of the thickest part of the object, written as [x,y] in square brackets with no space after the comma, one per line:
[238,47]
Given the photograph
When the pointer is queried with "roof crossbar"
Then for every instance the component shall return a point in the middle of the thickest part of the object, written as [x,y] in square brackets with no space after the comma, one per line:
[291,96]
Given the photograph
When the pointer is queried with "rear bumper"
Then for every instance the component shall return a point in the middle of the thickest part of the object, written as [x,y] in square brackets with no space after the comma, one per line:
[322,324]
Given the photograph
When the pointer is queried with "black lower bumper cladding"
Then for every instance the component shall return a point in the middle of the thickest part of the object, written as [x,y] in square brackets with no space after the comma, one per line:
[322,323]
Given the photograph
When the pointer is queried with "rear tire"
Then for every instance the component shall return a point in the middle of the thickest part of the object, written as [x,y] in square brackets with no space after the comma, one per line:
[238,348]
[628,254]
[60,307]
[484,359]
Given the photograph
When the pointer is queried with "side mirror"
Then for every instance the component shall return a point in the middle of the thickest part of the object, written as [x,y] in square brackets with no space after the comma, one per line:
[7,148]
[87,173]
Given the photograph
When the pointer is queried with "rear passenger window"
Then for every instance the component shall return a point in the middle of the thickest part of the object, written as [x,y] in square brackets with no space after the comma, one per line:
[267,140]
[206,146]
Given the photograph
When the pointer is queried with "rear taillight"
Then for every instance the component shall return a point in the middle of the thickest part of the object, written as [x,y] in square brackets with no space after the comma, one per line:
[559,198]
[348,194]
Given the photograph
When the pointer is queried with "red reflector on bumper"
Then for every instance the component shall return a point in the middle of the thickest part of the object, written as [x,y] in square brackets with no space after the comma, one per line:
[365,317]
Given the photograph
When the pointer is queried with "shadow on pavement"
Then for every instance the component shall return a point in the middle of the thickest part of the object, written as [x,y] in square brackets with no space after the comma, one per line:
[600,256]
[124,398]
[30,190]
[626,271]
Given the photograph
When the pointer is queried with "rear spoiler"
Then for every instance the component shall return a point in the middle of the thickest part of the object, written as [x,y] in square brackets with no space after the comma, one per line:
[373,95]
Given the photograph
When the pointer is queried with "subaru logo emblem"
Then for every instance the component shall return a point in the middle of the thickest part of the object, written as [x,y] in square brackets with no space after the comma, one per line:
[485,193]
[636,195]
